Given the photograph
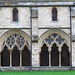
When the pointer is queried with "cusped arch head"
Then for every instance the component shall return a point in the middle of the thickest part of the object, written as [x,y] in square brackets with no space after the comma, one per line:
[54,44]
[56,31]
[44,43]
[11,32]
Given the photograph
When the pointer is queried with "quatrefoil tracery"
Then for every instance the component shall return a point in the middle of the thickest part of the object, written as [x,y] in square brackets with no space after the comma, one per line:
[15,39]
[54,37]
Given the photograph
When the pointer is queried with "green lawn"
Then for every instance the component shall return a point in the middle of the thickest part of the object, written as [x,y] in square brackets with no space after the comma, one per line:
[38,73]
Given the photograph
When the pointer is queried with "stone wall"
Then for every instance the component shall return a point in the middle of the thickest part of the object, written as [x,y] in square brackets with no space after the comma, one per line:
[45,19]
[40,25]
[6,18]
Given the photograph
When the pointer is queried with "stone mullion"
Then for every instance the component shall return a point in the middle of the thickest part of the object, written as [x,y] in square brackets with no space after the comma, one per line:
[20,58]
[70,62]
[50,59]
[70,58]
[10,58]
[0,59]
[39,59]
[60,57]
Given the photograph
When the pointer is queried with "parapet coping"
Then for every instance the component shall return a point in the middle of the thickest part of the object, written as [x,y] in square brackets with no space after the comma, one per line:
[38,4]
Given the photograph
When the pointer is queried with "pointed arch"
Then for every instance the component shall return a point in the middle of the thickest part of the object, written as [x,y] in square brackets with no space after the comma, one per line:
[54,55]
[15,57]
[52,31]
[26,57]
[65,56]
[54,14]
[15,38]
[54,39]
[5,57]
[44,56]
[15,14]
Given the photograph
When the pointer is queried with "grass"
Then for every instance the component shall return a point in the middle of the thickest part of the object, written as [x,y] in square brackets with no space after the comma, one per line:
[38,73]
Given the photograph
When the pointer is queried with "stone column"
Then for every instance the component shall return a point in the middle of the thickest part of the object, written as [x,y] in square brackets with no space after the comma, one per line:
[50,59]
[35,54]
[0,59]
[70,58]
[39,59]
[20,58]
[59,58]
[11,58]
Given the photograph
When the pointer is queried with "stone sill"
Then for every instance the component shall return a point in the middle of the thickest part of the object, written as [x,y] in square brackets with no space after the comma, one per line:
[44,68]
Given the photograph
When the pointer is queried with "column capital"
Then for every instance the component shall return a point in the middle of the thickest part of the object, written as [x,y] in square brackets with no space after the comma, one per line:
[49,52]
[20,51]
[59,52]
[10,51]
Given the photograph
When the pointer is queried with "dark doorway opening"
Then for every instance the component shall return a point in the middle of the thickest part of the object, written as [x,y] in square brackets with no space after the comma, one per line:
[44,56]
[26,57]
[54,55]
[15,57]
[5,57]
[65,56]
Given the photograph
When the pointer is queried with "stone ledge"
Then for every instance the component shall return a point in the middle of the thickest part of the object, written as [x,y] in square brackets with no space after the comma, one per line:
[36,0]
[36,69]
[37,3]
[15,68]
[73,38]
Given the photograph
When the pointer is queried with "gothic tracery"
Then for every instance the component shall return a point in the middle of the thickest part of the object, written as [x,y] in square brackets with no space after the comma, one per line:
[54,37]
[54,43]
[15,39]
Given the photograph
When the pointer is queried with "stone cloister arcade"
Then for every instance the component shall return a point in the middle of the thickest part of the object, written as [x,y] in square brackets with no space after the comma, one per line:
[53,49]
[15,49]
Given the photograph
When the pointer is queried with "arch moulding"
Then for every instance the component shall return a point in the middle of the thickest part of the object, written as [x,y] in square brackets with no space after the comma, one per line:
[52,31]
[13,31]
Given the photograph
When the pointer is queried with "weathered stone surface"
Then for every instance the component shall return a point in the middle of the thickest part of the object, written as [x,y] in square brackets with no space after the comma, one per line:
[40,25]
[45,17]
[6,21]
[35,0]
[34,12]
